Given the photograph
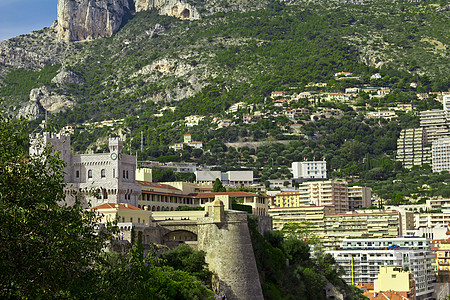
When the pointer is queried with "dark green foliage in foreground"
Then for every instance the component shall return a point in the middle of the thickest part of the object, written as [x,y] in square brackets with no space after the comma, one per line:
[304,277]
[46,249]
[136,276]
[50,251]
[187,259]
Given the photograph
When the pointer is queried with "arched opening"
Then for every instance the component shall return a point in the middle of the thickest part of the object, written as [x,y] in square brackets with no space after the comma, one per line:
[175,10]
[185,14]
[180,236]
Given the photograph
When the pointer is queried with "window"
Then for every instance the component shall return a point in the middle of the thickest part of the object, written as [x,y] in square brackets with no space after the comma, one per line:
[394,276]
[89,173]
[123,173]
[77,174]
[123,219]
[131,220]
[103,173]
[127,174]
[139,220]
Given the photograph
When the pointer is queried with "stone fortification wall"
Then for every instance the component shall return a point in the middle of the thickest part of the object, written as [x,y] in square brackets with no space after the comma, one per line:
[265,223]
[229,254]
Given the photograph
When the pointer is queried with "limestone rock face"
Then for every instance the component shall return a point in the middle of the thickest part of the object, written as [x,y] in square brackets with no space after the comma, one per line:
[30,111]
[80,20]
[174,8]
[64,77]
[41,100]
[89,19]
[51,102]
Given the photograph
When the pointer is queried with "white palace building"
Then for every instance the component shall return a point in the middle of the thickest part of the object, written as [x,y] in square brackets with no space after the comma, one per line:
[94,178]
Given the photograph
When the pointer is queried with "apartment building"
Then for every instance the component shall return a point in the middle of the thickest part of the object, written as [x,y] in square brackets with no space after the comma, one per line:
[432,214]
[359,197]
[309,169]
[356,224]
[442,263]
[334,193]
[412,148]
[310,214]
[290,199]
[332,228]
[362,258]
[432,219]
[435,123]
[440,153]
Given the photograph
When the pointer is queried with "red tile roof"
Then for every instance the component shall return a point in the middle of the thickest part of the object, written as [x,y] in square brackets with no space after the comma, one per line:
[386,296]
[113,205]
[166,194]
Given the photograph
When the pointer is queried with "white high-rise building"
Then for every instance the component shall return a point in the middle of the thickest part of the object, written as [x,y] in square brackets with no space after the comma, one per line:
[446,104]
[362,258]
[436,124]
[309,169]
[440,152]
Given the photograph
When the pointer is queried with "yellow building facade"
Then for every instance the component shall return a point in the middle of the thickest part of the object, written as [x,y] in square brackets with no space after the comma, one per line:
[123,213]
[396,279]
[331,228]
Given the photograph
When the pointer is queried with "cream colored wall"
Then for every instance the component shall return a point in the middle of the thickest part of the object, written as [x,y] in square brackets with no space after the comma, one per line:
[179,215]
[126,216]
[144,174]
[387,281]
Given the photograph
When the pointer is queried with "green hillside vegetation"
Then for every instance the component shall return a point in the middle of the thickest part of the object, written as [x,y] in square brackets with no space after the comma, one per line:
[244,56]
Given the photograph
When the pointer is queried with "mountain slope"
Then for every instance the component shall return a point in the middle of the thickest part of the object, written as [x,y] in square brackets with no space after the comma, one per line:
[228,57]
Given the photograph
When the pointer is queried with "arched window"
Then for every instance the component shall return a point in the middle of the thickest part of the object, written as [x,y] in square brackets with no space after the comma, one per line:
[103,173]
[89,173]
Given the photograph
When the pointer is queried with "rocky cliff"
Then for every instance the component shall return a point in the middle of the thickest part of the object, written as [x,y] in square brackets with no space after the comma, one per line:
[80,20]
[44,100]
[89,19]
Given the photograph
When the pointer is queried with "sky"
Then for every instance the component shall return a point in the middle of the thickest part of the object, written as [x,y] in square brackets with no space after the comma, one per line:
[23,16]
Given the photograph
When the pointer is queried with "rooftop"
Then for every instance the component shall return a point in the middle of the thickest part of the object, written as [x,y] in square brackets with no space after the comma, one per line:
[116,206]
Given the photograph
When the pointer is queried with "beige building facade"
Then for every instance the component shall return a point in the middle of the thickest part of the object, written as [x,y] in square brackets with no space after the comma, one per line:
[332,228]
[412,149]
[325,193]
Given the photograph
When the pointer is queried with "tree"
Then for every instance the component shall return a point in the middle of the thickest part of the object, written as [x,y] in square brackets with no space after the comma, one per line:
[187,259]
[218,187]
[47,249]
